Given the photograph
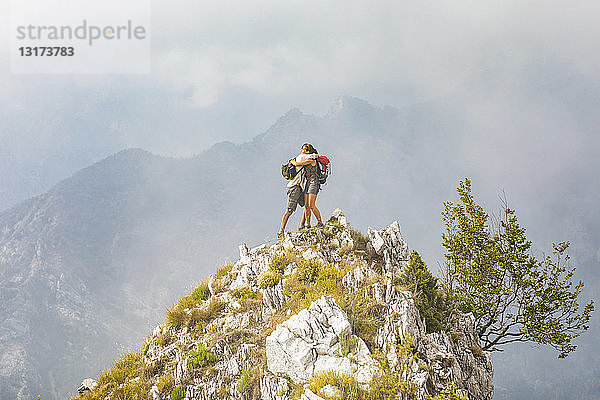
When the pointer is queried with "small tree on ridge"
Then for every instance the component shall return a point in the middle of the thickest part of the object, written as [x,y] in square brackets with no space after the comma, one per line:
[514,297]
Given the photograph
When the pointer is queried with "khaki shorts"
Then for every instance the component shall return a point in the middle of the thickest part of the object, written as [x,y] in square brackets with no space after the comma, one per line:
[295,197]
[313,187]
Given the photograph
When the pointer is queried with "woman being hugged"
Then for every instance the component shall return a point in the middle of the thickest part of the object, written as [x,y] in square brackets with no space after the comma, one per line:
[311,185]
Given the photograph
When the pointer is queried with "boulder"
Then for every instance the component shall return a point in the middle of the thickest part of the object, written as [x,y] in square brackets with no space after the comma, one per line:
[309,343]
[87,385]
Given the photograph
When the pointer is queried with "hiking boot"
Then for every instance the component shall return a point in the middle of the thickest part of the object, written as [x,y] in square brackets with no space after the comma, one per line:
[320,224]
[280,234]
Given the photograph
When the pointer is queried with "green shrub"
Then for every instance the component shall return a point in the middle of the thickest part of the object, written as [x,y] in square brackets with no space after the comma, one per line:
[178,393]
[201,358]
[432,305]
[270,278]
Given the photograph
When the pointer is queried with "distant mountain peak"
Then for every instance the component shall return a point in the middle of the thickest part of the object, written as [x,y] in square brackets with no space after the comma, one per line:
[349,105]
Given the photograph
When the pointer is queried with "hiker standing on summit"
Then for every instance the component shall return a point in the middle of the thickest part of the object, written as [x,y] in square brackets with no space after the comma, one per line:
[311,187]
[296,187]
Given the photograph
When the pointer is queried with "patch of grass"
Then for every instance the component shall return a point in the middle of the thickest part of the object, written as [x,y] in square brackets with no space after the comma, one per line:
[198,295]
[279,263]
[249,382]
[366,315]
[248,299]
[178,393]
[128,378]
[348,344]
[165,383]
[308,270]
[274,274]
[177,317]
[384,386]
[223,278]
[345,250]
[223,271]
[244,293]
[312,280]
[164,339]
[200,317]
[233,338]
[201,358]
[270,278]
[361,246]
[345,383]
[477,350]
[202,292]
[334,225]
[223,391]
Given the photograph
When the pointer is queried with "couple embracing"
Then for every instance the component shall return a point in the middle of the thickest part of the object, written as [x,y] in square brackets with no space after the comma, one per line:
[303,188]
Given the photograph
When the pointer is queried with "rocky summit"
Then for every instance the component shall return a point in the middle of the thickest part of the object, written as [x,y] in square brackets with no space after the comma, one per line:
[321,314]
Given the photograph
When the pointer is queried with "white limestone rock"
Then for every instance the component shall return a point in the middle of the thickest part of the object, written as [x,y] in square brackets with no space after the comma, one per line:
[330,391]
[87,385]
[339,215]
[154,393]
[274,387]
[272,300]
[390,244]
[308,343]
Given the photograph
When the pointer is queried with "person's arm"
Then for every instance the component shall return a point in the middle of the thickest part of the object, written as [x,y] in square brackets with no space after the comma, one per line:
[302,163]
[304,159]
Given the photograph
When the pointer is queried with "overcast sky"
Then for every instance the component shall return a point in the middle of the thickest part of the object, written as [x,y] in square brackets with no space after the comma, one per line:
[239,65]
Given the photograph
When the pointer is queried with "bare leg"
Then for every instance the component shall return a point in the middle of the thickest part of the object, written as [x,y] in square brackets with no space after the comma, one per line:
[312,198]
[307,209]
[285,218]
[303,221]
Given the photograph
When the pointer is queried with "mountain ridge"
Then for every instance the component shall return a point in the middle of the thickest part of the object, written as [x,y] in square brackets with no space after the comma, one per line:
[246,332]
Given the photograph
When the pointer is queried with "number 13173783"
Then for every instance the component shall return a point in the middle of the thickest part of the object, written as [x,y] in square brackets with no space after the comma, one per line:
[46,51]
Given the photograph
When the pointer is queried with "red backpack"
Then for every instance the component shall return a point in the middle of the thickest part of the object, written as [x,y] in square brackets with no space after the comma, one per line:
[324,169]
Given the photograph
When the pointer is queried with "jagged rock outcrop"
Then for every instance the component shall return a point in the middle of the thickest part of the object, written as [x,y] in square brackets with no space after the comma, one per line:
[390,244]
[319,303]
[310,342]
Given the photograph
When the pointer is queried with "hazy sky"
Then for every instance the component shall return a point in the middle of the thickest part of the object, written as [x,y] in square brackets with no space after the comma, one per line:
[235,66]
